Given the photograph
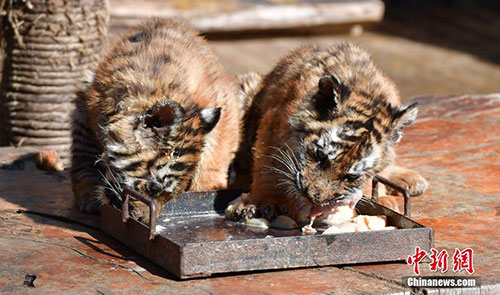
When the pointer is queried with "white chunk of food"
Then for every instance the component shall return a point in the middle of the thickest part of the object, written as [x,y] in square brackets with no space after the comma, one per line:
[348,227]
[377,222]
[341,214]
[283,222]
[308,229]
[259,222]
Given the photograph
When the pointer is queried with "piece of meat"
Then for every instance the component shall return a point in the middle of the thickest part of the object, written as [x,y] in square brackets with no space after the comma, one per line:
[372,222]
[259,222]
[283,222]
[345,228]
[340,215]
[308,229]
[360,223]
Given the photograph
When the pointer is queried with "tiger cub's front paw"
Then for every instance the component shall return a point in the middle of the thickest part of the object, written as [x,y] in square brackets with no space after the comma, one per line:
[409,179]
[90,199]
[239,209]
[242,208]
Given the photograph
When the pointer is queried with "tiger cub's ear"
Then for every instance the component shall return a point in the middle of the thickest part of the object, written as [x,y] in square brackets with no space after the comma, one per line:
[160,119]
[402,117]
[327,99]
[209,118]
[163,114]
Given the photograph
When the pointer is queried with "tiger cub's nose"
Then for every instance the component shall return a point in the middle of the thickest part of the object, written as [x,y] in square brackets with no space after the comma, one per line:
[153,188]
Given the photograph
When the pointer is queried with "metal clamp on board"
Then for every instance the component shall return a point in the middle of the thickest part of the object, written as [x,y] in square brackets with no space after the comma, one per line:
[385,181]
[127,192]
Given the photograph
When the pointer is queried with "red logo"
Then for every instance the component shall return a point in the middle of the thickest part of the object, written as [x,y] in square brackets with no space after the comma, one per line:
[439,260]
[462,260]
[415,259]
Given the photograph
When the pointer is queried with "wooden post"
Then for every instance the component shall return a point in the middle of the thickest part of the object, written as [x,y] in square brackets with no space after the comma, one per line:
[51,51]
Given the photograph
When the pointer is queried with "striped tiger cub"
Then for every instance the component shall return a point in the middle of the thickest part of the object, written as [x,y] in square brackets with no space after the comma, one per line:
[161,117]
[324,121]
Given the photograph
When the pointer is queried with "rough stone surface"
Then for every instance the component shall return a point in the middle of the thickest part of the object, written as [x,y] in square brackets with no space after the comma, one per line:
[455,144]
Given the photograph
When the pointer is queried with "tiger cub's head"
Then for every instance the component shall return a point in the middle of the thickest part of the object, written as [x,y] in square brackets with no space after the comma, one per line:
[156,152]
[336,141]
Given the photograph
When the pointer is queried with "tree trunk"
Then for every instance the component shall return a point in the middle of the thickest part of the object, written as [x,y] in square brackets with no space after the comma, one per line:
[51,52]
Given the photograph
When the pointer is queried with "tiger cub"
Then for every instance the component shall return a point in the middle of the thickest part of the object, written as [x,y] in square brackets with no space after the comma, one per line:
[161,117]
[324,121]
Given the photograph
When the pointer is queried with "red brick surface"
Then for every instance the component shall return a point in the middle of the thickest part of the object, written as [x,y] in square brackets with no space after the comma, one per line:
[455,144]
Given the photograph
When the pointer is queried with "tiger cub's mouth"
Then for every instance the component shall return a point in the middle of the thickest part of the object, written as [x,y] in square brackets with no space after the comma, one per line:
[307,211]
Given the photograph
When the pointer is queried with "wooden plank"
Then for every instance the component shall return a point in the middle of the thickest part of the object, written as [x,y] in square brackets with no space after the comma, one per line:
[234,16]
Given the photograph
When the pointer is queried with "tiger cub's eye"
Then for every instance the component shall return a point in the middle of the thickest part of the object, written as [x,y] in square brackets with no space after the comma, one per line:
[352,177]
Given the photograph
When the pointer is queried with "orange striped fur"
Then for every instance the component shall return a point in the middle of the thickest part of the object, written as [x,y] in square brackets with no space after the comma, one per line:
[324,121]
[161,116]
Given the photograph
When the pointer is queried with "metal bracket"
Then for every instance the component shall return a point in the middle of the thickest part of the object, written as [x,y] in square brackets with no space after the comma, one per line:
[127,192]
[404,191]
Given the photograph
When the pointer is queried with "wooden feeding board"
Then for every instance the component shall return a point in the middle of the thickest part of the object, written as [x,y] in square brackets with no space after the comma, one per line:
[194,240]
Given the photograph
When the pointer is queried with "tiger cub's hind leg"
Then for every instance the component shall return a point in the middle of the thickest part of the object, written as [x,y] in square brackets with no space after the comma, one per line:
[407,178]
[86,174]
